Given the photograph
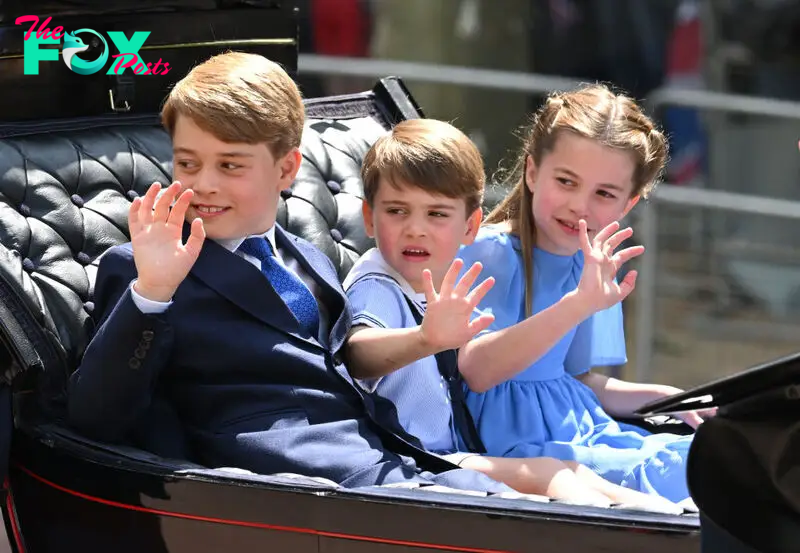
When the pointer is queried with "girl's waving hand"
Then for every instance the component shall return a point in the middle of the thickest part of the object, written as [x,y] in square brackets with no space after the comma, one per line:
[598,285]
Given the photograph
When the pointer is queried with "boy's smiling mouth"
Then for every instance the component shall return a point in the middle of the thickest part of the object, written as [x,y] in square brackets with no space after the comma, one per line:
[206,211]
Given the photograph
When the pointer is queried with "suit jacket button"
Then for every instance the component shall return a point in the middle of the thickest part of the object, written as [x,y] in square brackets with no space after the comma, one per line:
[139,353]
[134,363]
[147,335]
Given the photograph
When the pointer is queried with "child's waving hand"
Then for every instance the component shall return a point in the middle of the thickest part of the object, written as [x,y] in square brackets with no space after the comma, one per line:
[598,286]
[447,323]
[156,228]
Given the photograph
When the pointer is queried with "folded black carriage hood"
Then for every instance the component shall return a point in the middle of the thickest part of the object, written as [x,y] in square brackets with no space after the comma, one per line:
[182,33]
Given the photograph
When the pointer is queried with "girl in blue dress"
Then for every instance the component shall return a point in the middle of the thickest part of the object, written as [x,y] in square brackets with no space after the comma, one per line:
[551,248]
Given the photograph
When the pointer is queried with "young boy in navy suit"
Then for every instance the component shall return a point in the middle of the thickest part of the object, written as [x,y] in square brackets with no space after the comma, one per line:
[236,323]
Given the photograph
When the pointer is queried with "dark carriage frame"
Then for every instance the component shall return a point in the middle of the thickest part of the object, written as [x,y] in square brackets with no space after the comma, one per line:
[65,491]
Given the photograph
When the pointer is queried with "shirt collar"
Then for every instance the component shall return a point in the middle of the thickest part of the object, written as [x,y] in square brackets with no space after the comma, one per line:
[233,244]
[373,262]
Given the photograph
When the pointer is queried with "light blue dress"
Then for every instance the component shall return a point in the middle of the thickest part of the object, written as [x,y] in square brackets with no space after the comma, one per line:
[544,410]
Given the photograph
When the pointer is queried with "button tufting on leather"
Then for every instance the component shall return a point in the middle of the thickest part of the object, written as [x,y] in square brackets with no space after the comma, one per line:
[113,163]
[50,170]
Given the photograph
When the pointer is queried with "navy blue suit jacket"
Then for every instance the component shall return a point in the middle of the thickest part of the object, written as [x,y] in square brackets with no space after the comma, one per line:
[251,387]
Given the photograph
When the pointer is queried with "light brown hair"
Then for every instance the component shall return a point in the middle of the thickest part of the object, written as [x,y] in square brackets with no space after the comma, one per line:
[594,112]
[428,154]
[240,97]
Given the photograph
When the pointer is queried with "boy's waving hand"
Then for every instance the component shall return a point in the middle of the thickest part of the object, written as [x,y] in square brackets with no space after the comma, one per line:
[162,259]
[448,322]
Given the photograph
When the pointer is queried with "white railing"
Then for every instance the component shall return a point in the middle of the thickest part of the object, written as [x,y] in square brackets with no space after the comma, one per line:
[665,194]
[313,64]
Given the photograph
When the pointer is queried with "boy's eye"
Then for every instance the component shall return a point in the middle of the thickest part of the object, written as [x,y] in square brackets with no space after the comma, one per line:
[230,166]
[185,164]
[565,181]
[606,194]
[395,211]
[437,214]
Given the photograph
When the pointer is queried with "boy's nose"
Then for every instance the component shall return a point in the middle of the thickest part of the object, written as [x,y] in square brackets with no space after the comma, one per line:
[204,182]
[414,227]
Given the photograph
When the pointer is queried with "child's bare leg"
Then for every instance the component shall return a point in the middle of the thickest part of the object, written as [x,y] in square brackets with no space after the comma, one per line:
[540,476]
[615,492]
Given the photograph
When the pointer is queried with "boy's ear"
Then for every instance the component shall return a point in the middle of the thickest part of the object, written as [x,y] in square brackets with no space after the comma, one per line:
[631,203]
[366,213]
[290,165]
[473,226]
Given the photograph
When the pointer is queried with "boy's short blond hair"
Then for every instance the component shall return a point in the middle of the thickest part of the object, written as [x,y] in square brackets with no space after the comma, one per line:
[428,154]
[240,97]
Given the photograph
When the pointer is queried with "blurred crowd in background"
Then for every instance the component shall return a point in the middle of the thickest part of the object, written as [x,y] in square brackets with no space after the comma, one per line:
[726,289]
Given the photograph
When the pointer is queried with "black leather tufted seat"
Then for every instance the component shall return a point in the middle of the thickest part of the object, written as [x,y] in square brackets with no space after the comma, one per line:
[64,198]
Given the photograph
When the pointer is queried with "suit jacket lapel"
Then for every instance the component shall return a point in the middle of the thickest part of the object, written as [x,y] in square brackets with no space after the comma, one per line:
[244,285]
[319,267]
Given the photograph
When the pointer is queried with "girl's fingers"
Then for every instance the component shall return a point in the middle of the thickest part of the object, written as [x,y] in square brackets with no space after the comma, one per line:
[606,233]
[623,256]
[617,239]
[583,236]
